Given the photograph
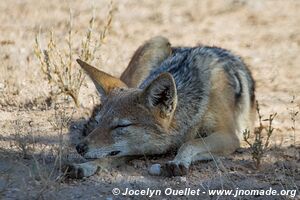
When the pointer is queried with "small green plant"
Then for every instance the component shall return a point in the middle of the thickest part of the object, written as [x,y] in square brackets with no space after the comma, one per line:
[57,62]
[260,144]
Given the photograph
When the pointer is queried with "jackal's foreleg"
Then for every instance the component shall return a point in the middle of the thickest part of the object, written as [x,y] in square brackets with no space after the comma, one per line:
[80,170]
[197,150]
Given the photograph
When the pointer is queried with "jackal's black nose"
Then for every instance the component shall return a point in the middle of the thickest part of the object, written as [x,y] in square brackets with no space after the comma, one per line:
[82,148]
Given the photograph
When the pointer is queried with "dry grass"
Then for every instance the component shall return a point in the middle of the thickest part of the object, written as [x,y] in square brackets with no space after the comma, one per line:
[57,61]
[46,160]
[50,178]
[294,111]
[260,144]
[22,139]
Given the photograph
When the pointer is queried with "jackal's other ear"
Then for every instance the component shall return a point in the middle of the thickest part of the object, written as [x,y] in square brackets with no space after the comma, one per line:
[161,93]
[104,82]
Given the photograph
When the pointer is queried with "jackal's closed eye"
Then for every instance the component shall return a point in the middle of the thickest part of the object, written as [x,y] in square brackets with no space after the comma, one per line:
[122,124]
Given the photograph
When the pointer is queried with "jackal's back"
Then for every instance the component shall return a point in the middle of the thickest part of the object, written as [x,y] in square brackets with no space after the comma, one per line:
[192,70]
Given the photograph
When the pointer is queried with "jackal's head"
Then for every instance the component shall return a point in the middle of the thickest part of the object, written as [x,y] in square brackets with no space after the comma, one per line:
[132,121]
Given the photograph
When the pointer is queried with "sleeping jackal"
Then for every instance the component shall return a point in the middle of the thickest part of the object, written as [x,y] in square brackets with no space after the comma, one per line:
[198,100]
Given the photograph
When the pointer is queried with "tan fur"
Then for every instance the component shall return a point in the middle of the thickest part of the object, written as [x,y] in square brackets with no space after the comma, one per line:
[218,123]
[101,79]
[151,54]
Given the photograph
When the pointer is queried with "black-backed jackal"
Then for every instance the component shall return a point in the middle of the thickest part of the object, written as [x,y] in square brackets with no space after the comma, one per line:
[198,100]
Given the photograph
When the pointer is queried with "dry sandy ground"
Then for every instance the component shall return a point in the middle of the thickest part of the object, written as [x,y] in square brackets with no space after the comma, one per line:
[265,33]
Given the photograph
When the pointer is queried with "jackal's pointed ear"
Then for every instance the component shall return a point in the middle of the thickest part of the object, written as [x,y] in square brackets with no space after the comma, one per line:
[161,94]
[104,82]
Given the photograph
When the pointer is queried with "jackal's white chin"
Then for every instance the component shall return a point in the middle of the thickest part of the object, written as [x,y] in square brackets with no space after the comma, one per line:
[117,150]
[96,154]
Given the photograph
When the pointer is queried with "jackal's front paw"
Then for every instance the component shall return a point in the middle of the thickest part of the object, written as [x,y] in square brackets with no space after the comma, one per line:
[169,169]
[72,171]
[175,168]
[79,171]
